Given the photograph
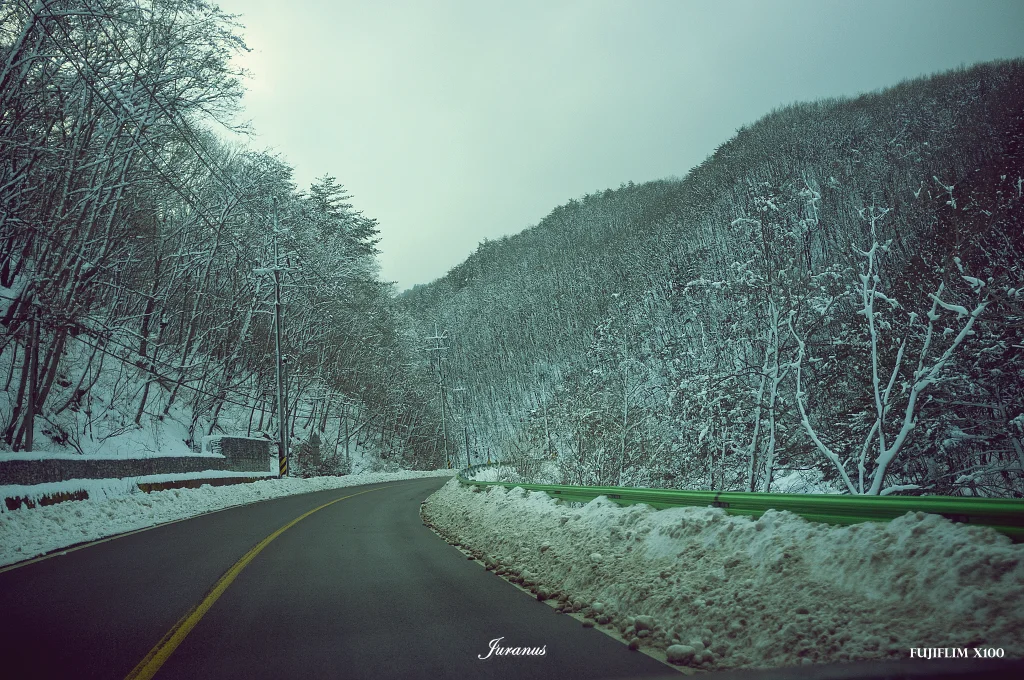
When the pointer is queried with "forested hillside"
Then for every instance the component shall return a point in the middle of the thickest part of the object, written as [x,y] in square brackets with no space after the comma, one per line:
[137,254]
[833,300]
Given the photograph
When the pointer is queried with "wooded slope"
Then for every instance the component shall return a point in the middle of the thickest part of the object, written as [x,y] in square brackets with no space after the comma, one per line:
[836,292]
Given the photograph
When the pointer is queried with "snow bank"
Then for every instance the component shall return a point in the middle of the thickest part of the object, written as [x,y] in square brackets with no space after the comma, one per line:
[803,481]
[531,472]
[498,473]
[777,591]
[26,533]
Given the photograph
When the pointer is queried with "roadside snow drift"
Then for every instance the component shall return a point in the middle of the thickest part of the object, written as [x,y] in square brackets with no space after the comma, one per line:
[718,591]
[28,532]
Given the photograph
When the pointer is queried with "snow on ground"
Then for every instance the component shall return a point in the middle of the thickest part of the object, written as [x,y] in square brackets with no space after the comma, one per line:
[499,473]
[533,472]
[26,533]
[548,472]
[802,481]
[733,592]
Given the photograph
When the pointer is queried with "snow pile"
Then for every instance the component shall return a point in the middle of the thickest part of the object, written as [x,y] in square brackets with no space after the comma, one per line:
[730,592]
[803,481]
[531,471]
[26,533]
[498,473]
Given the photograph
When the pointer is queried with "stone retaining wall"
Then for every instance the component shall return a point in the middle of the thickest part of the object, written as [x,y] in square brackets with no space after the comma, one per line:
[240,454]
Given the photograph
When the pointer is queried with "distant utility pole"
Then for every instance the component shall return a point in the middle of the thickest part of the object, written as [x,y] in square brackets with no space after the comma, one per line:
[437,338]
[282,410]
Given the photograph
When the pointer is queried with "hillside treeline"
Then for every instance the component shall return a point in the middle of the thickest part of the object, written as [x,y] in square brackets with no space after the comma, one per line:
[137,252]
[833,298]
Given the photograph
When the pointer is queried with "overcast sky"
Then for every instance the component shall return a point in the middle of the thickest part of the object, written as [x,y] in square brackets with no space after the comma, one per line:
[455,121]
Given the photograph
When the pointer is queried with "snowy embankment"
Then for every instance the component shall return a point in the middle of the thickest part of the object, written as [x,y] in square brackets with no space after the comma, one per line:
[537,472]
[28,532]
[720,591]
[508,473]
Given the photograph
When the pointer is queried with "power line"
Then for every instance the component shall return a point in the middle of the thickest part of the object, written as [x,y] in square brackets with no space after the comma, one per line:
[121,110]
[181,381]
[189,199]
[186,135]
[176,381]
[110,336]
[67,250]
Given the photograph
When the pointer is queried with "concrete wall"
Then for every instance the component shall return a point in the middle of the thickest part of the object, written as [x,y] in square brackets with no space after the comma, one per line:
[240,454]
[246,454]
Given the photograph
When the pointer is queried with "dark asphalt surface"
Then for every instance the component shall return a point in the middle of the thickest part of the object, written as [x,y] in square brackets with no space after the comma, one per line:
[360,589]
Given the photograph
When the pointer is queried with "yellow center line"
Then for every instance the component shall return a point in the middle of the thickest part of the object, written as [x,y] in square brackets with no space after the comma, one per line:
[157,656]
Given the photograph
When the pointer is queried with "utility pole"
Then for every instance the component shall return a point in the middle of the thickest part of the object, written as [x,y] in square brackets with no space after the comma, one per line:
[437,338]
[33,377]
[282,407]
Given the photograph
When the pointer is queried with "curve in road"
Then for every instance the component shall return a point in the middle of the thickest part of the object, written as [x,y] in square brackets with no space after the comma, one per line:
[359,588]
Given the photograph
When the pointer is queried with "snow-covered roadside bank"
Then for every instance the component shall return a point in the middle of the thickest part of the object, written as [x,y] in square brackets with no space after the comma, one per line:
[537,472]
[717,591]
[26,533]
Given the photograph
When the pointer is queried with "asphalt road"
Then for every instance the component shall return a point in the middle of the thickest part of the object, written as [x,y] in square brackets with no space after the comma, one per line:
[359,589]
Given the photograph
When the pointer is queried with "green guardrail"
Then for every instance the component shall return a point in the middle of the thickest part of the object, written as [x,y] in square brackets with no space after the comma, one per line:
[1002,514]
